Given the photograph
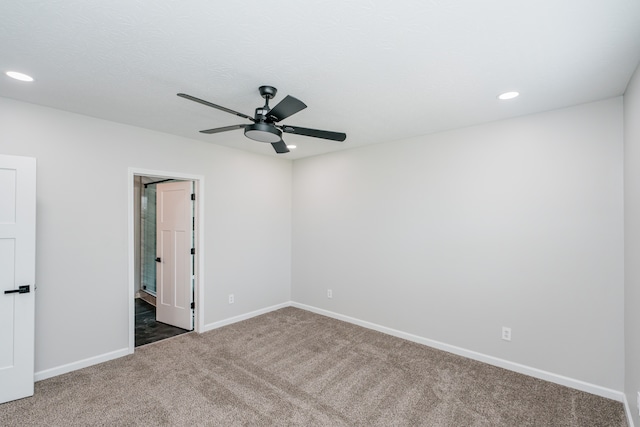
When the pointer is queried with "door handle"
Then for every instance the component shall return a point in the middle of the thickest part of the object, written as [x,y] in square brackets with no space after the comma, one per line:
[158,259]
[24,289]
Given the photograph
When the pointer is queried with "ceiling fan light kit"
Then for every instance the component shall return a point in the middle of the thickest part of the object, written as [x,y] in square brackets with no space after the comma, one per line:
[263,132]
[264,127]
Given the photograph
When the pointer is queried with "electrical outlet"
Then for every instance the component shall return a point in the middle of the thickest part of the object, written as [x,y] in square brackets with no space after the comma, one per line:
[506,333]
[231,299]
[329,293]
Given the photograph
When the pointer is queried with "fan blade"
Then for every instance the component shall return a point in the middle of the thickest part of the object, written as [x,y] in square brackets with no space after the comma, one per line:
[334,136]
[224,129]
[280,147]
[287,107]
[209,104]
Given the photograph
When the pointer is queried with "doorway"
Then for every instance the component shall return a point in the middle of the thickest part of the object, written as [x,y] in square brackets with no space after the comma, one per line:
[165,237]
[145,258]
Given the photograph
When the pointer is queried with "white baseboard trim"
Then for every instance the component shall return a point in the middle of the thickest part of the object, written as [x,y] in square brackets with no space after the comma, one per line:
[512,366]
[501,363]
[59,370]
[627,410]
[241,317]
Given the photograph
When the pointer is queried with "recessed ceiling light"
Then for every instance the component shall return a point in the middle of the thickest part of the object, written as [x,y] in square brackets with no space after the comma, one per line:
[19,76]
[508,95]
[291,146]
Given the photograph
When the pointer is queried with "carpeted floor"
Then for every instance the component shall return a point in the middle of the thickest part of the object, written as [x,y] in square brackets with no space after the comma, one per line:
[294,368]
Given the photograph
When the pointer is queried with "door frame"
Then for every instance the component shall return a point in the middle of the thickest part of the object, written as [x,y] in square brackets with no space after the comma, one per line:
[199,244]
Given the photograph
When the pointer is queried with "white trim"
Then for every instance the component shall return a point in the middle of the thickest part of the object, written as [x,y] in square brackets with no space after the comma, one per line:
[63,369]
[241,317]
[199,244]
[199,283]
[512,366]
[627,410]
[131,261]
[516,367]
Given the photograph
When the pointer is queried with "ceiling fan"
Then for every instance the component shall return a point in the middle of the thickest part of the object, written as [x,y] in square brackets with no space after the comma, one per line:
[264,127]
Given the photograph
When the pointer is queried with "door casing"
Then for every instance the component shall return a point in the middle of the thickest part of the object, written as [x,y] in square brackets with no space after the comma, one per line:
[199,244]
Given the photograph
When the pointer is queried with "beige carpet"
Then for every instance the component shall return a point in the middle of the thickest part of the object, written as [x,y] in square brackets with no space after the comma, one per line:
[295,368]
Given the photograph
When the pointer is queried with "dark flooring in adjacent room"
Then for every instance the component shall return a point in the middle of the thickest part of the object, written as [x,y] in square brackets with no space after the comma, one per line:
[148,330]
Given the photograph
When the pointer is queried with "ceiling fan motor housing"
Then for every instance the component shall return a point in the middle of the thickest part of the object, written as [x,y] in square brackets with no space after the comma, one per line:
[261,114]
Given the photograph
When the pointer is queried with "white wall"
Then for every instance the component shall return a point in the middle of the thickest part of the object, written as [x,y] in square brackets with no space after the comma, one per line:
[632,241]
[447,236]
[82,253]
[451,236]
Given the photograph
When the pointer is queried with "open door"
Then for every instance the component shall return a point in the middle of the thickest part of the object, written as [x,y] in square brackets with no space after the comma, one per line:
[17,276]
[174,262]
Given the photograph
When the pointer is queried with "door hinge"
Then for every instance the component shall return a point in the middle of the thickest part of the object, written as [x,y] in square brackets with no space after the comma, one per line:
[193,196]
[193,305]
[193,251]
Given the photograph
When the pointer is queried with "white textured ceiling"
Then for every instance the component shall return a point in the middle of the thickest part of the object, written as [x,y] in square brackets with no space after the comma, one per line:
[377,70]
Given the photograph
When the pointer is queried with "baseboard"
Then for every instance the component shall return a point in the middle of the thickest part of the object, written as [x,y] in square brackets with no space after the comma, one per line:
[512,366]
[627,410]
[501,363]
[241,317]
[59,370]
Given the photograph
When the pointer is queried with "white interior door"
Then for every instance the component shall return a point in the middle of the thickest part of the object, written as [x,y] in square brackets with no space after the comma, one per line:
[17,275]
[174,241]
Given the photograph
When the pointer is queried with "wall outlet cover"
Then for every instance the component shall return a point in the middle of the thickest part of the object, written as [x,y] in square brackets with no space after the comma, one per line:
[506,333]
